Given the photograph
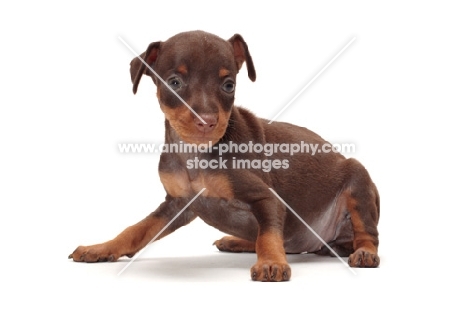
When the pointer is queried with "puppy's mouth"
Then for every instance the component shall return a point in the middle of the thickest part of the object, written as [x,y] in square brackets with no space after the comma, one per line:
[200,140]
[204,128]
[198,136]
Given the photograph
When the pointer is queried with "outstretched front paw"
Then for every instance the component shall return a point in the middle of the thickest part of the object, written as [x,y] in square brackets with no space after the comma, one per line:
[95,253]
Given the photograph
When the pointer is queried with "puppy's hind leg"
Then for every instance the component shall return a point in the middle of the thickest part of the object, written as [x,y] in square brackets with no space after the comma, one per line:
[363,204]
[235,245]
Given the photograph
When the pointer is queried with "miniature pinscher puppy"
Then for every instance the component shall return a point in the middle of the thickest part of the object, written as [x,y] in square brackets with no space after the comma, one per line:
[335,196]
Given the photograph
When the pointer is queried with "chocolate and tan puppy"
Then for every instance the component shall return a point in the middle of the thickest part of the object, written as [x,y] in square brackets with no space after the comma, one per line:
[334,195]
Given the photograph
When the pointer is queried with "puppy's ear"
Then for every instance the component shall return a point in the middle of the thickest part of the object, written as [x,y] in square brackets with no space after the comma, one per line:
[138,68]
[241,54]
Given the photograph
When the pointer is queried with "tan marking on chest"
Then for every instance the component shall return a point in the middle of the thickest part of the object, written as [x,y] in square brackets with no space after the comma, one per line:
[179,185]
[176,184]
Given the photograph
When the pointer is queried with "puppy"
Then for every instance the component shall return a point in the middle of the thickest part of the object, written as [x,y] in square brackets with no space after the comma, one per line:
[238,168]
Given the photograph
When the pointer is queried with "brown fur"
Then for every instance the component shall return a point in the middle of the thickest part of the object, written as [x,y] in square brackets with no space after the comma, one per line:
[334,195]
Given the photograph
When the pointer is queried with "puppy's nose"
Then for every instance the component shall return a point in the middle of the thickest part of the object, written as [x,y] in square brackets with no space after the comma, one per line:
[210,119]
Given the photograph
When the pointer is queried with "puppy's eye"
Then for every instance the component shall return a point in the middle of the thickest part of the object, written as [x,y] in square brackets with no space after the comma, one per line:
[229,86]
[175,83]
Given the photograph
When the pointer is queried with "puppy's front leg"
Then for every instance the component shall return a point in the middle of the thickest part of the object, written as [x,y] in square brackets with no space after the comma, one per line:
[271,257]
[135,237]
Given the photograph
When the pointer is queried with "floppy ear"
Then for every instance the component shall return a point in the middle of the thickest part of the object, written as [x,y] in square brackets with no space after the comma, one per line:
[138,68]
[241,54]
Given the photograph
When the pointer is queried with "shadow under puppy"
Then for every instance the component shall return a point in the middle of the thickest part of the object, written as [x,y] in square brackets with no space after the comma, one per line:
[334,195]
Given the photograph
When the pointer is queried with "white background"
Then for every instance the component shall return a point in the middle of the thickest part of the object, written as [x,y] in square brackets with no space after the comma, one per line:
[66,102]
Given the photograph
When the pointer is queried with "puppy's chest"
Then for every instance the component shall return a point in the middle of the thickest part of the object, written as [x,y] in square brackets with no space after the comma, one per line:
[185,175]
[185,183]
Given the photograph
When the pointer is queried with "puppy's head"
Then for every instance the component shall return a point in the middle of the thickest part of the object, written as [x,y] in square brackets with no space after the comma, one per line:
[197,80]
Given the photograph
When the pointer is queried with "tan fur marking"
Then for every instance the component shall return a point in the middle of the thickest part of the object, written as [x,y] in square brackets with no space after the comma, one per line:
[176,184]
[217,186]
[182,121]
[223,72]
[182,69]
[270,246]
[362,239]
[129,242]
[137,236]
[235,244]
[271,262]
